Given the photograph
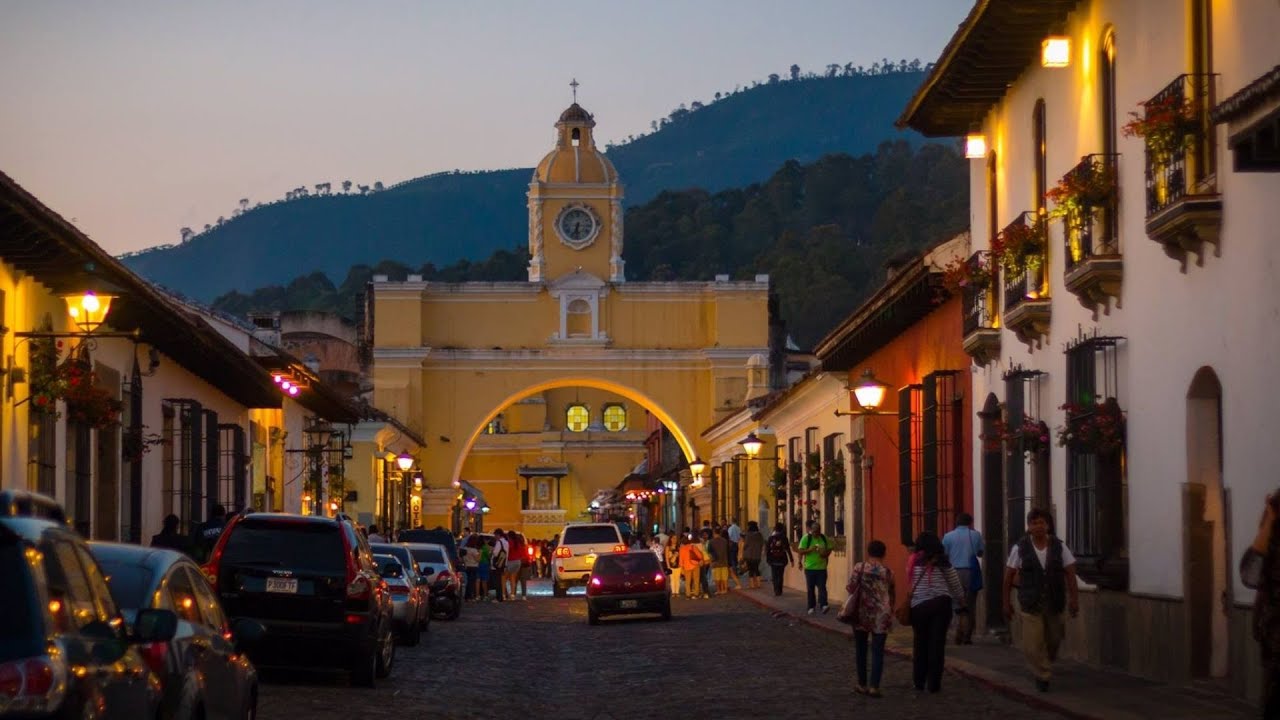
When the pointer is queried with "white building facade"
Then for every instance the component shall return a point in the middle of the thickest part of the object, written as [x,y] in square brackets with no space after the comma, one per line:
[1139,295]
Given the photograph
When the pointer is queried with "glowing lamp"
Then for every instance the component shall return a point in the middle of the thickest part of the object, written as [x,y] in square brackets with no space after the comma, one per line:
[1055,51]
[752,444]
[277,379]
[484,509]
[869,392]
[470,503]
[417,480]
[293,390]
[88,309]
[285,385]
[975,146]
[697,466]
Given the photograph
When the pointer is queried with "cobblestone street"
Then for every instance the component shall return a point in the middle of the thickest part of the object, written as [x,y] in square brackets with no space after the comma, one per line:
[723,657]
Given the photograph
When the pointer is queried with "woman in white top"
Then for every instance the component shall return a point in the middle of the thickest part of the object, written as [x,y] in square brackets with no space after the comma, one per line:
[935,593]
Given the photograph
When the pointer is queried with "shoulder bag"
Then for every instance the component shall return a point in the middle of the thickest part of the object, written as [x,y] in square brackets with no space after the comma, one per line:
[902,613]
[975,568]
[849,611]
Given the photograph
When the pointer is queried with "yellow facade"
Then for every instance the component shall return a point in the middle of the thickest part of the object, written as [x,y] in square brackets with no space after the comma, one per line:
[449,358]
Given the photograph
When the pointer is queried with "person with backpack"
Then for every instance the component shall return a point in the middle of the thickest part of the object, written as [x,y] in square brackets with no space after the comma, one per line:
[778,554]
[501,551]
[815,547]
[964,549]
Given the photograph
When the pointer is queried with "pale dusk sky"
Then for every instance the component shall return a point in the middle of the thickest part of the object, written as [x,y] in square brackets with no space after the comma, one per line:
[137,117]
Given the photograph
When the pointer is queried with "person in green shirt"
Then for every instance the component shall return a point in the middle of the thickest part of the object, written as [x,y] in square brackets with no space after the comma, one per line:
[814,548]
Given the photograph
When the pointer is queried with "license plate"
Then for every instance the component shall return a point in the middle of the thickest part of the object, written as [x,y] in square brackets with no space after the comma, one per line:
[282,585]
[627,604]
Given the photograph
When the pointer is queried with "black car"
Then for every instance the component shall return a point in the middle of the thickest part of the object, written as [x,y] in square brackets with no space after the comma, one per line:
[439,537]
[312,583]
[65,650]
[203,669]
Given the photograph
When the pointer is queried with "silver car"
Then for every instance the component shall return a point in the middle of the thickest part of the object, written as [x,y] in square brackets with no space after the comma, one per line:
[409,599]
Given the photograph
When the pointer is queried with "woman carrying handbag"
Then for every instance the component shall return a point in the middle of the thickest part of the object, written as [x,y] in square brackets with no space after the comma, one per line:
[869,610]
[935,592]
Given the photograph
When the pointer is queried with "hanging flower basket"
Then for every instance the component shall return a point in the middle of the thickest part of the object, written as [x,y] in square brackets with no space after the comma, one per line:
[1167,125]
[1031,437]
[1093,429]
[87,402]
[45,381]
[1089,187]
[833,478]
[796,476]
[779,483]
[968,273]
[1021,245]
[813,471]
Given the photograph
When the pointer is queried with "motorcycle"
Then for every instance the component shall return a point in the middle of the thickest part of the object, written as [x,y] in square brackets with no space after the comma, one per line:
[446,595]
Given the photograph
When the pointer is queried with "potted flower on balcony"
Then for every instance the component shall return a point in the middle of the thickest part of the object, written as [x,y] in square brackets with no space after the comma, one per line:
[1086,189]
[1020,246]
[1167,125]
[968,273]
[1093,429]
[1031,436]
[87,402]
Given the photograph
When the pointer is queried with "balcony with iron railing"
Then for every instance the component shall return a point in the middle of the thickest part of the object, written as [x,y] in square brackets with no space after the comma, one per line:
[1088,207]
[1021,249]
[1184,208]
[981,323]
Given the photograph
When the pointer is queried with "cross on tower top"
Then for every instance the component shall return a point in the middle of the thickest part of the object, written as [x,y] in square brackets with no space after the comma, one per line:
[574,84]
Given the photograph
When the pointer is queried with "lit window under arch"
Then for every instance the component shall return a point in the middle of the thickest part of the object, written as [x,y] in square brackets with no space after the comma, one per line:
[577,418]
[615,418]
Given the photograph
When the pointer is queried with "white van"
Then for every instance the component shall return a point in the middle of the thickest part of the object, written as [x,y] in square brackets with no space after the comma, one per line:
[580,545]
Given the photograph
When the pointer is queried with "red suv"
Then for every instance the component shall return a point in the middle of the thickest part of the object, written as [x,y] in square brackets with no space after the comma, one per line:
[312,583]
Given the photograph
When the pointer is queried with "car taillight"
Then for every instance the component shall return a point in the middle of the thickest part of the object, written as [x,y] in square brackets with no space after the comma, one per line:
[399,590]
[563,552]
[33,684]
[155,654]
[210,574]
[619,548]
[529,550]
[659,578]
[595,582]
[594,586]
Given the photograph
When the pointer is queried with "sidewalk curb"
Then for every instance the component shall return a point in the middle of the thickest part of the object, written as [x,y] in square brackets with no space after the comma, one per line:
[962,668]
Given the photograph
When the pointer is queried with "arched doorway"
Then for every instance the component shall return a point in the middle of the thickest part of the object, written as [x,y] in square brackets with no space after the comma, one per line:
[1205,551]
[992,513]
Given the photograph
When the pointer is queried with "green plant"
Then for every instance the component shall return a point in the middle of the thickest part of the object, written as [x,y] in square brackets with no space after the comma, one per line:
[779,483]
[796,477]
[1084,190]
[812,471]
[1021,245]
[1167,125]
[833,477]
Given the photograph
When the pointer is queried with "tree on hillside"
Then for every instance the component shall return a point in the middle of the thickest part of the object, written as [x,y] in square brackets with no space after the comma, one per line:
[346,186]
[377,186]
[244,204]
[186,233]
[832,70]
[795,72]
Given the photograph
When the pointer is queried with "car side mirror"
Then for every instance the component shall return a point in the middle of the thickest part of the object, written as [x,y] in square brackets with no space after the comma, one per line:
[108,642]
[246,633]
[154,625]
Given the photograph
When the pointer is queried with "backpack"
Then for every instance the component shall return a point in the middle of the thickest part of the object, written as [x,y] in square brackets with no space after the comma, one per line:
[776,550]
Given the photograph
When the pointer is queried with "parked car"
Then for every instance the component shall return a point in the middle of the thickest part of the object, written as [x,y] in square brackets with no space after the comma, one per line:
[442,577]
[312,583]
[65,649]
[408,606]
[627,583]
[203,669]
[580,545]
[418,581]
[438,537]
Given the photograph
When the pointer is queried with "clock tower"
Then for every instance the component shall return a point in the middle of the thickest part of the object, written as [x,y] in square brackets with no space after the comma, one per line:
[575,207]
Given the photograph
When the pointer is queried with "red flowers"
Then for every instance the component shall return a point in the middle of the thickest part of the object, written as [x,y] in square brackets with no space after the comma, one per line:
[1020,245]
[968,273]
[1094,429]
[1166,124]
[1031,436]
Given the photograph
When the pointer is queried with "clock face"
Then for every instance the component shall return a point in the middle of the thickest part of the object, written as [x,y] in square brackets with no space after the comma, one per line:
[577,227]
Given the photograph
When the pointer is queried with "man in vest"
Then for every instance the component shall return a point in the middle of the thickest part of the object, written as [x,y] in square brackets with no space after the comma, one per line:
[1045,573]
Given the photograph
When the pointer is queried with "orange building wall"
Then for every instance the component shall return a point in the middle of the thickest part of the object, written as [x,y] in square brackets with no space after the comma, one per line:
[933,343]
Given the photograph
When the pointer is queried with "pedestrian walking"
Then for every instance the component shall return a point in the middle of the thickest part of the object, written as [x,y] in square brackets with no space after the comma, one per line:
[964,550]
[469,551]
[1045,571]
[691,559]
[170,537]
[814,549]
[752,549]
[208,532]
[720,561]
[483,568]
[778,555]
[871,588]
[936,594]
[1260,570]
[501,553]
[672,554]
[515,563]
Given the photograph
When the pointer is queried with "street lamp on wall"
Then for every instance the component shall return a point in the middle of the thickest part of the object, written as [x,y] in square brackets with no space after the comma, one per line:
[404,461]
[752,444]
[867,396]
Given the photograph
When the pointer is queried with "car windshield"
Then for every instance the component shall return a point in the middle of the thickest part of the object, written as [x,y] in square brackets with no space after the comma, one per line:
[130,583]
[641,563]
[20,629]
[431,556]
[398,552]
[590,535]
[389,567]
[289,544]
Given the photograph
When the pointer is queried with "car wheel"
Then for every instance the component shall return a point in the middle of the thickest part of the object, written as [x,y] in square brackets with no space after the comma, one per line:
[456,611]
[593,617]
[366,669]
[386,654]
[558,590]
[666,611]
[251,711]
